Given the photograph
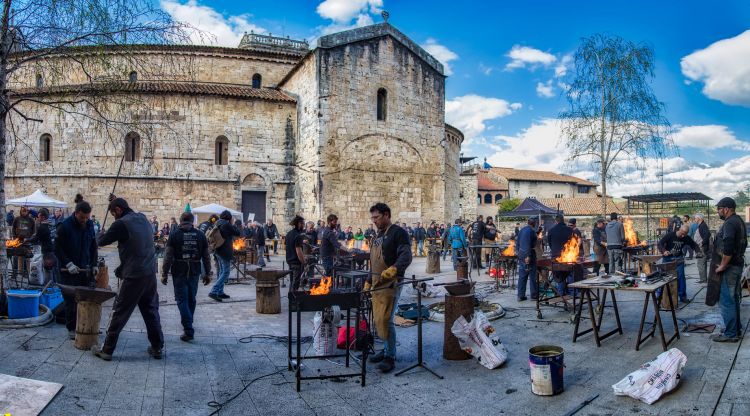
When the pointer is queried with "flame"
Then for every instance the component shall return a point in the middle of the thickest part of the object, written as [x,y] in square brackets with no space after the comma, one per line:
[365,246]
[16,242]
[350,244]
[631,239]
[570,251]
[511,250]
[323,288]
[238,244]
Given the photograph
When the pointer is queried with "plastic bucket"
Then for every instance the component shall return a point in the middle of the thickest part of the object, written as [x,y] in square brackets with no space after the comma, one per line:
[546,362]
[51,297]
[23,304]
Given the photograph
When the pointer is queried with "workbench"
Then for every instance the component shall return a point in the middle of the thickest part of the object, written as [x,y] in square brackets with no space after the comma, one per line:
[606,284]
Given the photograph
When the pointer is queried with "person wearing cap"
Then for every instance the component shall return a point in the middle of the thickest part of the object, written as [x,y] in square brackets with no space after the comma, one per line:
[672,248]
[599,238]
[730,245]
[526,253]
[615,231]
[224,255]
[295,257]
[702,237]
[135,244]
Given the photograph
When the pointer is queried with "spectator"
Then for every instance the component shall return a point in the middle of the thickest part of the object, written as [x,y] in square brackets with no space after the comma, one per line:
[420,234]
[9,217]
[272,233]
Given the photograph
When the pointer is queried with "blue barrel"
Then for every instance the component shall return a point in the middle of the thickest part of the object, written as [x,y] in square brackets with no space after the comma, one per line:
[546,363]
[51,297]
[23,303]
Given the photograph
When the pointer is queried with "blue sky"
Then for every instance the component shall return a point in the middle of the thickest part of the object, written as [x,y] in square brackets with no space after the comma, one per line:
[508,62]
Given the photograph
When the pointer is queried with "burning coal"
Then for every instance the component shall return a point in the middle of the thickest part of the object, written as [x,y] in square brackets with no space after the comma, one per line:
[323,288]
[238,244]
[631,237]
[511,250]
[16,242]
[570,251]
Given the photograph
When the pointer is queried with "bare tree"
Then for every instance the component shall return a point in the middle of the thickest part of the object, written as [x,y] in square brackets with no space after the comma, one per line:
[75,57]
[614,115]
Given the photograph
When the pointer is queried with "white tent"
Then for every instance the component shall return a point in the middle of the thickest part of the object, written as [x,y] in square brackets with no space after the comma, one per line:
[215,209]
[37,199]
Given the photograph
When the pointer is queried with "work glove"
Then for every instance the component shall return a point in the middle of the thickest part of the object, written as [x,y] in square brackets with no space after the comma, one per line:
[206,279]
[164,279]
[72,268]
[388,274]
[367,286]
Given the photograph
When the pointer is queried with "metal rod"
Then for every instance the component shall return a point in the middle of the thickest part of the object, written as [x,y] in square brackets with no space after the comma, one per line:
[106,214]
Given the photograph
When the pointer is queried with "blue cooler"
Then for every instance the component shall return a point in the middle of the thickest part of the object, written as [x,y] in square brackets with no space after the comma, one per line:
[51,297]
[23,303]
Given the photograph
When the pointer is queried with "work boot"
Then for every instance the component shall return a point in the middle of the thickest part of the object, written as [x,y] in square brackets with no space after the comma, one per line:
[702,280]
[685,300]
[154,352]
[387,365]
[376,358]
[71,334]
[722,338]
[96,350]
[224,296]
[215,297]
[522,298]
[186,337]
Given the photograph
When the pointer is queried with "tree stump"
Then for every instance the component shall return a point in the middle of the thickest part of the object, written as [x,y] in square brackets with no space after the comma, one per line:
[433,261]
[102,278]
[267,297]
[455,306]
[462,269]
[88,318]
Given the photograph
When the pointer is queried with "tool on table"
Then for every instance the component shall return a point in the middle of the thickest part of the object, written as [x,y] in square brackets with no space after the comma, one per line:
[582,405]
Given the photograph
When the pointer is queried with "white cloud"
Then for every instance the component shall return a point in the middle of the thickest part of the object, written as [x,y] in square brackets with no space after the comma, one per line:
[523,56]
[486,70]
[470,112]
[562,67]
[537,147]
[221,30]
[545,90]
[709,136]
[441,53]
[344,11]
[723,68]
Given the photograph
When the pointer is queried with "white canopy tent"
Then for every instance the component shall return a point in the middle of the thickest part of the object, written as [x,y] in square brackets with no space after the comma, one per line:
[37,199]
[217,209]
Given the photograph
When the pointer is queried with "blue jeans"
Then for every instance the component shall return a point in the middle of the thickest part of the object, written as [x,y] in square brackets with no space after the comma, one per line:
[527,272]
[729,301]
[185,289]
[420,247]
[221,275]
[261,261]
[389,349]
[455,254]
[681,283]
[327,265]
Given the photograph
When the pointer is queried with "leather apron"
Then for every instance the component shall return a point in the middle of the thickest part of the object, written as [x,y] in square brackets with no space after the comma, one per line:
[382,295]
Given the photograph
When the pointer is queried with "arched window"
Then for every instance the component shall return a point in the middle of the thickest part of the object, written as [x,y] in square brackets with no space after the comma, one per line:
[39,81]
[487,198]
[132,146]
[257,80]
[45,148]
[382,103]
[498,198]
[221,151]
[133,76]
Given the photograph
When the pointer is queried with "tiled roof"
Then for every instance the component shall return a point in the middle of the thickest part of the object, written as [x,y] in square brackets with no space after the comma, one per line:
[155,87]
[581,206]
[485,183]
[538,175]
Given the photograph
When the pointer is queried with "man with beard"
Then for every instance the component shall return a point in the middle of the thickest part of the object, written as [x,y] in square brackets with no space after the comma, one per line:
[672,248]
[295,257]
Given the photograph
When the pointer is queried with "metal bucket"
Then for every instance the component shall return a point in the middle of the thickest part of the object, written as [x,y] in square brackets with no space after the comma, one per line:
[546,363]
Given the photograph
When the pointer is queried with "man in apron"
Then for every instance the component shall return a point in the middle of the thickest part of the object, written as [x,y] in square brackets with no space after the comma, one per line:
[390,255]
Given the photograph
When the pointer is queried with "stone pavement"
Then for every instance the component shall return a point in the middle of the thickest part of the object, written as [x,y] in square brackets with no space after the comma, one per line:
[216,366]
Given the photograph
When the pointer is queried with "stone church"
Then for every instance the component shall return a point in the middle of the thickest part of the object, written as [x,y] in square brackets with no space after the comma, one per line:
[271,127]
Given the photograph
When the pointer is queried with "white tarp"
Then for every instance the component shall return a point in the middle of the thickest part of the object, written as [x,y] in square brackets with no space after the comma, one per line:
[216,209]
[37,199]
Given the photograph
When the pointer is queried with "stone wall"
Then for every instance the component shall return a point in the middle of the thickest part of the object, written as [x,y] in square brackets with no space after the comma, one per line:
[469,198]
[175,164]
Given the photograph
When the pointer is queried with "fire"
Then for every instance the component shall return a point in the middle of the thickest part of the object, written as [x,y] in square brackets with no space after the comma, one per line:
[350,244]
[238,244]
[365,246]
[570,251]
[323,288]
[16,242]
[631,238]
[511,250]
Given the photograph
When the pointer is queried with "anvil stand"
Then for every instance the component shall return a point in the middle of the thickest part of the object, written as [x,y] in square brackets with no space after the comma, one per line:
[420,362]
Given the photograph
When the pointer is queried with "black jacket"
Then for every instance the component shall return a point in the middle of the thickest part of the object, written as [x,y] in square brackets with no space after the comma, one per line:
[672,243]
[599,236]
[731,240]
[396,248]
[186,248]
[228,231]
[43,237]
[420,233]
[271,231]
[135,244]
[76,244]
[477,231]
[557,236]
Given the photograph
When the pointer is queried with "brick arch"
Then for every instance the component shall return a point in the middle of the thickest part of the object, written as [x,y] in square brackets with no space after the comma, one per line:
[368,151]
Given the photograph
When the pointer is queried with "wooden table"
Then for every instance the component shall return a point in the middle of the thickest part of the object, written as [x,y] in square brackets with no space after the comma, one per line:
[607,284]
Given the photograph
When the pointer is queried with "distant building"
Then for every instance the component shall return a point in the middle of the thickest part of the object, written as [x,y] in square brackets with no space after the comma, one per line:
[522,183]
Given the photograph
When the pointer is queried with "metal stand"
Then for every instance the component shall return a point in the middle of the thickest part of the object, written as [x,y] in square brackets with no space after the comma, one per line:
[420,362]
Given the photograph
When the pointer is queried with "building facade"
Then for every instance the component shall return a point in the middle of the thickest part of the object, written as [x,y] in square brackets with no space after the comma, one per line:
[271,128]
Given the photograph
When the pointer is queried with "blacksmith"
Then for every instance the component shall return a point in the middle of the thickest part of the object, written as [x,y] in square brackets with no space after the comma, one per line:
[295,257]
[390,255]
[557,236]
[672,247]
[135,245]
[615,232]
[76,251]
[702,237]
[730,246]
[329,244]
[477,234]
[599,238]
[526,253]
[186,252]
